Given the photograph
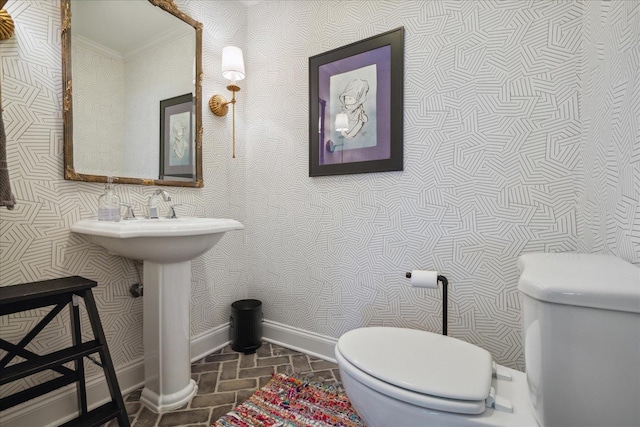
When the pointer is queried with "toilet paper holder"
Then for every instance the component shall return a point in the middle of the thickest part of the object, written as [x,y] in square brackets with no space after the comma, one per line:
[445,284]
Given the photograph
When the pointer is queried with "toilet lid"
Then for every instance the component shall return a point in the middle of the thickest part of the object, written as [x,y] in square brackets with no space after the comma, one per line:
[587,280]
[420,361]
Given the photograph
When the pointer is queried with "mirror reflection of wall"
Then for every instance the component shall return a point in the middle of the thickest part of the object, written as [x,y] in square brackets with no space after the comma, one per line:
[126,58]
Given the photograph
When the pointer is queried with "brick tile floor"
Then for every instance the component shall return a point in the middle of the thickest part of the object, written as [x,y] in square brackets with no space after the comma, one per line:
[226,379]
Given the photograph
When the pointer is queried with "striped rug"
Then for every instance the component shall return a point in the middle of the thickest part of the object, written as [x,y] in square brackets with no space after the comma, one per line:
[290,401]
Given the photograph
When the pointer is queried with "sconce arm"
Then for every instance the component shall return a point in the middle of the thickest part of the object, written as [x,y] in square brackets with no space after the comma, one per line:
[219,104]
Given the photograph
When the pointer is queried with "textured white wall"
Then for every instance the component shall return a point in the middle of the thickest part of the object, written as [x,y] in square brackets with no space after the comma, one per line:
[611,124]
[159,73]
[98,110]
[35,240]
[492,144]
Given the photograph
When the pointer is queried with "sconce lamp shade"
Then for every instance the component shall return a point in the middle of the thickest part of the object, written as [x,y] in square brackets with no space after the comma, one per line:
[232,63]
[342,122]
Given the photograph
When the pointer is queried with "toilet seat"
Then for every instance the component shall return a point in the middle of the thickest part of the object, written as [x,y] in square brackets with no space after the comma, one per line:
[427,370]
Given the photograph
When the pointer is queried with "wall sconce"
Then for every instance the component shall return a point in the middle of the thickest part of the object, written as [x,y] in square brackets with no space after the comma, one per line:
[341,125]
[233,70]
[342,122]
[6,22]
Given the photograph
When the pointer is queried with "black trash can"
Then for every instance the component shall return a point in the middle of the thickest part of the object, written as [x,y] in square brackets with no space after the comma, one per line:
[246,325]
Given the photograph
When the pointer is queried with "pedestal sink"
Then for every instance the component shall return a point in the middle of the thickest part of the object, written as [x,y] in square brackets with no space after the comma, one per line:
[166,247]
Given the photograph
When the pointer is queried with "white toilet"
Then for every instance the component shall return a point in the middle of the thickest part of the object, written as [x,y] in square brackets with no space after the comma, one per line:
[581,317]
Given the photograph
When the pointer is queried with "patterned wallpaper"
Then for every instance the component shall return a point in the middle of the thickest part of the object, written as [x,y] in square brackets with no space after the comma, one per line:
[493,167]
[35,240]
[611,123]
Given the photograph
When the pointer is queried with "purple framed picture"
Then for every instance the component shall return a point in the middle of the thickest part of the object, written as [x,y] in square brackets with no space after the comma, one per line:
[356,107]
[176,137]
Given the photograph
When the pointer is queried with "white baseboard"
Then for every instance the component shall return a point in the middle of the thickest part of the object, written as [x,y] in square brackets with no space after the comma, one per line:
[205,344]
[320,346]
[59,407]
[311,343]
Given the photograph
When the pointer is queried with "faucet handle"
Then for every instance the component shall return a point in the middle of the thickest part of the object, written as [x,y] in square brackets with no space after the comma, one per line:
[130,213]
[172,211]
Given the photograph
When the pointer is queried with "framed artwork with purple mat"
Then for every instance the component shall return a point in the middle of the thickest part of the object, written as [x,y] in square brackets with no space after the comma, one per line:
[356,107]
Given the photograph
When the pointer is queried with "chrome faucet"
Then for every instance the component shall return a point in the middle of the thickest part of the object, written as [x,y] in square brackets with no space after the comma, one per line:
[153,202]
[130,213]
[172,211]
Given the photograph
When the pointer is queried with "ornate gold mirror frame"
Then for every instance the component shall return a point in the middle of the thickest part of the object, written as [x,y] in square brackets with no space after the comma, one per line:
[67,107]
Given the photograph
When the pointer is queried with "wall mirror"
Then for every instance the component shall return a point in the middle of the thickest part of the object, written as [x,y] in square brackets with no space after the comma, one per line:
[132,88]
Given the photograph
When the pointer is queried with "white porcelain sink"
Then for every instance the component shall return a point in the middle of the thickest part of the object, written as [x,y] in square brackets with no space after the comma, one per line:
[167,247]
[157,240]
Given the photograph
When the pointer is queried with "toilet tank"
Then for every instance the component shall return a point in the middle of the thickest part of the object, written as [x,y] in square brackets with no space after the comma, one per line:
[581,330]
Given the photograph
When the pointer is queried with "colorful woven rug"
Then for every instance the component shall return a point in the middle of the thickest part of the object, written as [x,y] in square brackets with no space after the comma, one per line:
[288,401]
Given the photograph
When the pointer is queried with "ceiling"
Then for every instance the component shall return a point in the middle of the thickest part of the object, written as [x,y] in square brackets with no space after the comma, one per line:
[121,25]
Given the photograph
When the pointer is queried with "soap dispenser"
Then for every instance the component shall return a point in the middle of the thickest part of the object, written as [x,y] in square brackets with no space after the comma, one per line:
[109,204]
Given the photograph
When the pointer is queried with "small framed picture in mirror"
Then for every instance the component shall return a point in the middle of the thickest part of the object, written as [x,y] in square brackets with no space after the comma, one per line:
[176,137]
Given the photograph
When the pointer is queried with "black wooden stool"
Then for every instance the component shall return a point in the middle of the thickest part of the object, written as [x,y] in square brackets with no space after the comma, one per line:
[59,292]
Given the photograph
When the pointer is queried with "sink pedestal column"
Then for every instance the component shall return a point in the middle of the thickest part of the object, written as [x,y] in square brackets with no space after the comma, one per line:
[166,336]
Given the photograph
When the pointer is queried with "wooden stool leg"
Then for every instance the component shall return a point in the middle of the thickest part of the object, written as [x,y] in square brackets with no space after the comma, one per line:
[76,334]
[107,364]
